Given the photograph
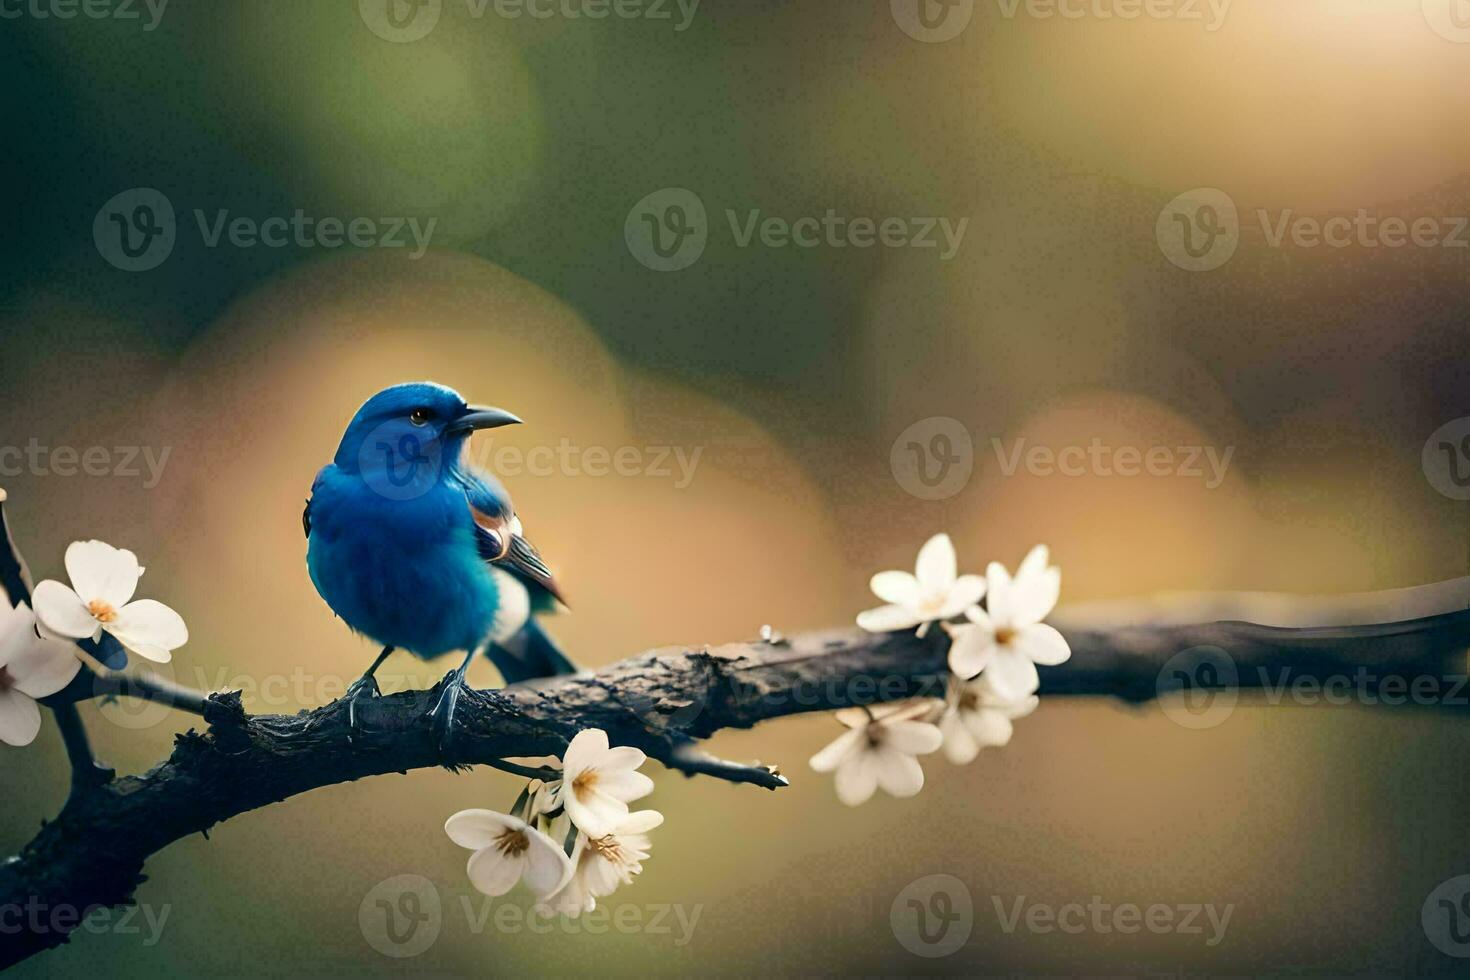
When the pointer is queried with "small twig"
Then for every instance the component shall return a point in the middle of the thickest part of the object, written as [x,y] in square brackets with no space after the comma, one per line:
[547,774]
[148,687]
[693,762]
[86,772]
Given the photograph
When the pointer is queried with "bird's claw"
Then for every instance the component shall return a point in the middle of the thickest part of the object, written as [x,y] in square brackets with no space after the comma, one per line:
[363,687]
[443,712]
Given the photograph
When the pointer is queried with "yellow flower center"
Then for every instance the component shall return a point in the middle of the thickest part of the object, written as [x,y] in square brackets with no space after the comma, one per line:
[585,782]
[102,610]
[1004,635]
[512,843]
[969,701]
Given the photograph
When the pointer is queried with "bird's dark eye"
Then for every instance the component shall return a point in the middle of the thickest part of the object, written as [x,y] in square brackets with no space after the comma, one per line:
[420,416]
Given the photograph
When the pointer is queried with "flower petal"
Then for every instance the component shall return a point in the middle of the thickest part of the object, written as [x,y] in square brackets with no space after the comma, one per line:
[900,775]
[1012,676]
[960,746]
[1019,709]
[899,588]
[837,751]
[493,873]
[99,571]
[477,829]
[62,612]
[1042,644]
[935,570]
[912,737]
[888,619]
[640,822]
[622,757]
[624,785]
[966,591]
[20,718]
[980,617]
[585,749]
[1034,563]
[989,726]
[43,667]
[1035,596]
[571,900]
[149,629]
[600,876]
[857,779]
[595,814]
[1000,603]
[547,866]
[15,623]
[971,650]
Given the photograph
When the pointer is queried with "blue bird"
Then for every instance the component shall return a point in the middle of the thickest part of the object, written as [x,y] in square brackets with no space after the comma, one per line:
[417,549]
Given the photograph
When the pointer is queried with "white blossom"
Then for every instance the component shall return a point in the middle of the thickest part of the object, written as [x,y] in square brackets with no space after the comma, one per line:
[603,863]
[507,850]
[598,782]
[30,667]
[880,751]
[103,580]
[1008,639]
[975,717]
[933,592]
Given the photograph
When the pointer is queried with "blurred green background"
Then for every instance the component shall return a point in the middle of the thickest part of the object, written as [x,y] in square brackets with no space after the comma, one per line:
[792,371]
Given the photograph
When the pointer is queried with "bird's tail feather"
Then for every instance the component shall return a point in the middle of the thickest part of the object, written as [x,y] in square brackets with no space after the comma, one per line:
[528,655]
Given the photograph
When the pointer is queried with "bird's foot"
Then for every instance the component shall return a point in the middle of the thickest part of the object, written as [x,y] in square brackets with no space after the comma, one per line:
[443,713]
[364,688]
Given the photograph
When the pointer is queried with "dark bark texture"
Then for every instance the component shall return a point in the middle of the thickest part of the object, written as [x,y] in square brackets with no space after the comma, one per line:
[663,702]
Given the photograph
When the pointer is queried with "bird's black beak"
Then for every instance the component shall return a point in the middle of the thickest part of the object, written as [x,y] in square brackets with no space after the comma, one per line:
[480,417]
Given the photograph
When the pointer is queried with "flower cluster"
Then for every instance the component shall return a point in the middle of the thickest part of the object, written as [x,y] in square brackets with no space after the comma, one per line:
[38,653]
[992,659]
[572,840]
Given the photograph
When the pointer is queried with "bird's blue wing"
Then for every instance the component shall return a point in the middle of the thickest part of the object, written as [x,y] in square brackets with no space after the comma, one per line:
[501,540]
[306,514]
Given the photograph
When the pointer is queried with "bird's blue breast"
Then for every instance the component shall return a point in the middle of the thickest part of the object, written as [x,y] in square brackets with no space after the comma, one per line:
[406,573]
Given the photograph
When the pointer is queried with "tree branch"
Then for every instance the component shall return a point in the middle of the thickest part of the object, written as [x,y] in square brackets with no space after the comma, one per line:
[662,702]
